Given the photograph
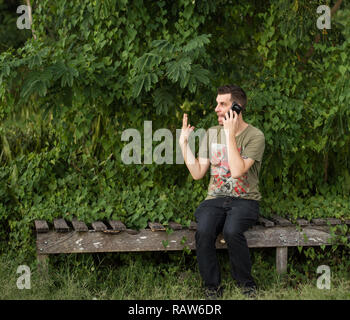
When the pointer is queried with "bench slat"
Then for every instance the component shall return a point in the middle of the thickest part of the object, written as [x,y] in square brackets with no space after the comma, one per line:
[175,226]
[302,222]
[318,222]
[265,222]
[324,222]
[41,226]
[132,231]
[79,226]
[60,225]
[117,225]
[155,226]
[333,221]
[281,221]
[99,226]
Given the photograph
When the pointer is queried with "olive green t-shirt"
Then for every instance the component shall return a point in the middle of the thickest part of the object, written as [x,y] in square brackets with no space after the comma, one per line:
[250,144]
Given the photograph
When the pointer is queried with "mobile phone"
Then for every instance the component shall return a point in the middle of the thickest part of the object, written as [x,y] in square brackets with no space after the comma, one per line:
[236,107]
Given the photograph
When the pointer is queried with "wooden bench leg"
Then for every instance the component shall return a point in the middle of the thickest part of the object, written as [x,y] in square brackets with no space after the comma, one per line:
[43,263]
[281,259]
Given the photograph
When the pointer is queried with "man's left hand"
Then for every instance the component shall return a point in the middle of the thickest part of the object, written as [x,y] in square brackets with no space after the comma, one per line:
[231,123]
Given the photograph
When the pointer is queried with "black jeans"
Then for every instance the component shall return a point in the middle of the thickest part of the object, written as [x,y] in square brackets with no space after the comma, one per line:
[232,217]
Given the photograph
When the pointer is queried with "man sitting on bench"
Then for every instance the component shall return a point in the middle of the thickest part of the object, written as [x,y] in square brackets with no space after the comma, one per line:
[232,204]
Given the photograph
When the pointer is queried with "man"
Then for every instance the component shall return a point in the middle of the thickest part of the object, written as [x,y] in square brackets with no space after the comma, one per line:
[232,204]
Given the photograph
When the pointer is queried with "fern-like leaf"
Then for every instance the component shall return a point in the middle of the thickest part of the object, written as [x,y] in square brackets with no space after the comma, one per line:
[196,43]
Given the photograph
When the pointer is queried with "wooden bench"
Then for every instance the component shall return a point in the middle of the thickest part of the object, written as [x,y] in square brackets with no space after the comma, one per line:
[113,236]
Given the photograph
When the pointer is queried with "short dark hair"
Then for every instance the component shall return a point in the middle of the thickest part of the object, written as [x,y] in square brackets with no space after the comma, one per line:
[237,94]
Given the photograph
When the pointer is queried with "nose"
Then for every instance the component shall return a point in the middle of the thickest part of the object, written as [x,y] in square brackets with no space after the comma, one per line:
[217,109]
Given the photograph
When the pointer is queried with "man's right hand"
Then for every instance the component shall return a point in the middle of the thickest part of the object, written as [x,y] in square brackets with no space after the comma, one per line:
[196,167]
[185,131]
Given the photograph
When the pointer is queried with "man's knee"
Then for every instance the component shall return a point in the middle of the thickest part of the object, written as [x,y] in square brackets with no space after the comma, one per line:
[232,234]
[205,232]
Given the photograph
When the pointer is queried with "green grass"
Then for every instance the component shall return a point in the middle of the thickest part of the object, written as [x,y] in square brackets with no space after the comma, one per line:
[164,276]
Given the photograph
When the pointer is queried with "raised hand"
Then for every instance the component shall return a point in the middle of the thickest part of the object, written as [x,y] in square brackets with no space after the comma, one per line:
[185,131]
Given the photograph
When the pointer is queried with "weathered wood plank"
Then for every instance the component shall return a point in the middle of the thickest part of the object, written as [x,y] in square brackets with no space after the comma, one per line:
[333,221]
[281,259]
[60,225]
[41,226]
[146,240]
[327,221]
[318,222]
[281,221]
[155,226]
[117,225]
[261,237]
[132,231]
[175,226]
[99,226]
[265,222]
[302,222]
[79,226]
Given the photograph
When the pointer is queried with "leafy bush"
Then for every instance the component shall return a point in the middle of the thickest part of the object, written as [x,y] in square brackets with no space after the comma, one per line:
[98,67]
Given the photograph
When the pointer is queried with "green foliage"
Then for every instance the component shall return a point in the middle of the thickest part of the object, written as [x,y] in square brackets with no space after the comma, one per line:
[99,67]
[308,208]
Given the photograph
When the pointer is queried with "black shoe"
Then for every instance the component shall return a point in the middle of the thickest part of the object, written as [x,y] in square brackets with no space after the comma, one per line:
[249,292]
[212,293]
